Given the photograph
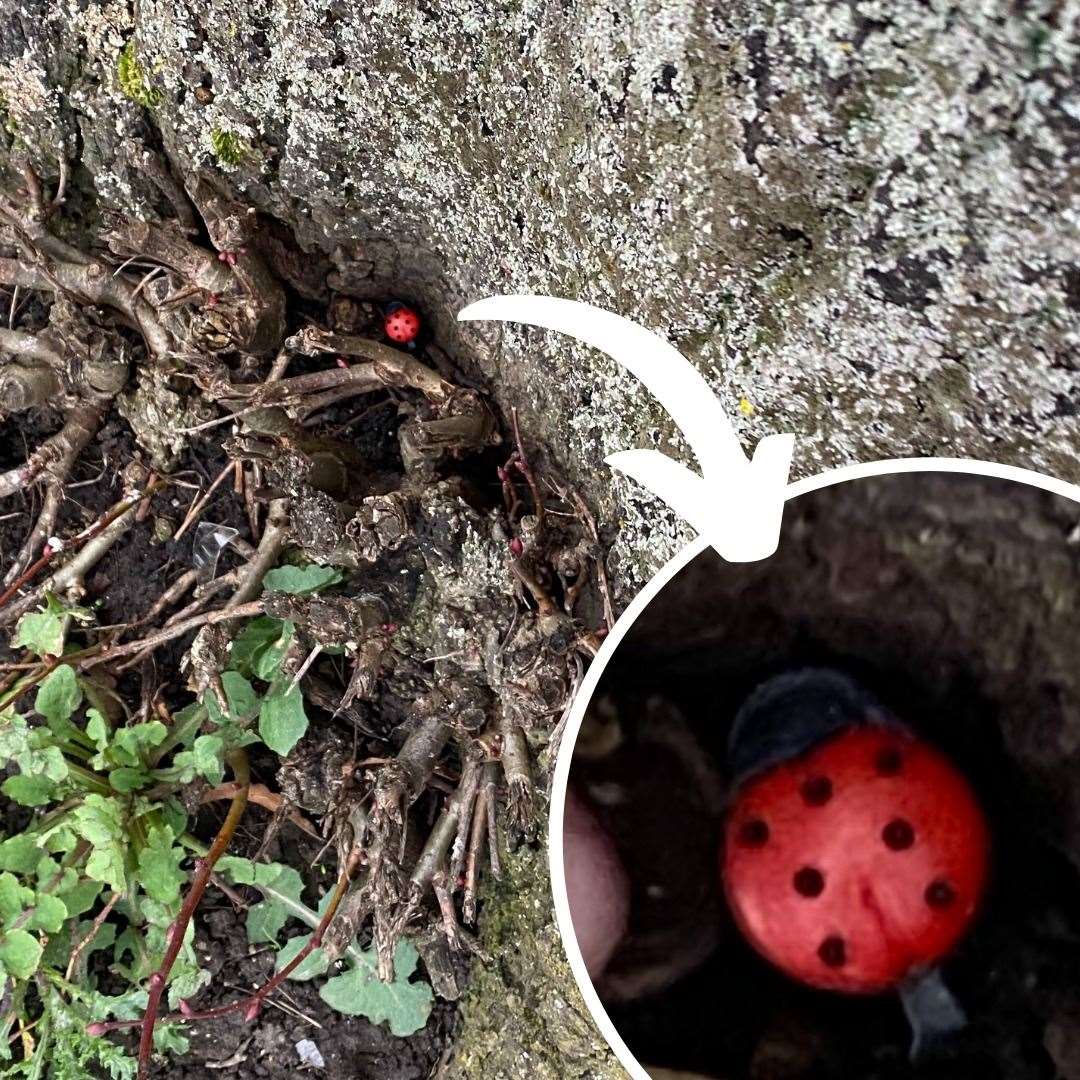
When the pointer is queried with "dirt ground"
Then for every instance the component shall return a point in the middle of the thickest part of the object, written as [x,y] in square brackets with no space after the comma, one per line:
[351,1047]
[125,583]
[954,599]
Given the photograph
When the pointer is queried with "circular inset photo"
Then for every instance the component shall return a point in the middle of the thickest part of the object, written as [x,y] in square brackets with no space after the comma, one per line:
[822,815]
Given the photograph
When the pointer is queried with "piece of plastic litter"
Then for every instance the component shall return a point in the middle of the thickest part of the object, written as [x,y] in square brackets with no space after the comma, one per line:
[935,1015]
[309,1054]
[210,540]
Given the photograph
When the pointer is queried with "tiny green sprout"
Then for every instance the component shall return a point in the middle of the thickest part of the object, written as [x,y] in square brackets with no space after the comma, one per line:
[228,147]
[131,76]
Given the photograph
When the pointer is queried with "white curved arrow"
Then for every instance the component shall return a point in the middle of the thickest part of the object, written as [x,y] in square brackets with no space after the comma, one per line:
[736,504]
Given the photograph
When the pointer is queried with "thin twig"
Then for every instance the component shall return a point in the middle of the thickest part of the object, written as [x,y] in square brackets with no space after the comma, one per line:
[525,469]
[199,504]
[238,762]
[82,422]
[271,544]
[173,593]
[457,808]
[261,795]
[98,922]
[515,763]
[94,540]
[168,633]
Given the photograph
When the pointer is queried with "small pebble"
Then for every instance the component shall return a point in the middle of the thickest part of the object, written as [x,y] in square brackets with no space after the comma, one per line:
[309,1054]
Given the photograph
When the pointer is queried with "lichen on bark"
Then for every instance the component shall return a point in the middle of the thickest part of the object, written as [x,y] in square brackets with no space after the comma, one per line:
[522,1015]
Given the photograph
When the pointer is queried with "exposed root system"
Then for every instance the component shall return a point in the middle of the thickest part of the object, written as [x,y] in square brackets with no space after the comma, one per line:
[471,592]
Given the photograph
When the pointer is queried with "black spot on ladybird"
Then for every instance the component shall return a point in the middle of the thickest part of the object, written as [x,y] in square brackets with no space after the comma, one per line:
[939,894]
[898,835]
[753,833]
[817,790]
[833,952]
[809,882]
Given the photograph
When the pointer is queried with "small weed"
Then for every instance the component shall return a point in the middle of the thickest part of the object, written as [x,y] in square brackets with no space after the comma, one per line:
[103,863]
[229,149]
[131,76]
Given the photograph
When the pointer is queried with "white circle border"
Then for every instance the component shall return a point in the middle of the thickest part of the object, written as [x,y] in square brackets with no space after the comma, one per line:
[830,477]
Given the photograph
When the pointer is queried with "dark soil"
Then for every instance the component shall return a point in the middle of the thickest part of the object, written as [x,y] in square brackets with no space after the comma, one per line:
[136,570]
[352,1048]
[123,585]
[954,599]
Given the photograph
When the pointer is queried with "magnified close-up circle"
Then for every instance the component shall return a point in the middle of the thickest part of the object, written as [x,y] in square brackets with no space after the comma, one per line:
[823,810]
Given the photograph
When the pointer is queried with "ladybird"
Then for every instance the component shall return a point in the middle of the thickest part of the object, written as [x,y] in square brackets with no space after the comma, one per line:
[401,323]
[855,854]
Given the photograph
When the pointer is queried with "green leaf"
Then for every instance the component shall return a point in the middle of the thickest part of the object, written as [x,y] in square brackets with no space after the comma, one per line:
[29,790]
[13,897]
[185,981]
[127,779]
[170,1039]
[282,720]
[131,745]
[99,820]
[97,728]
[30,748]
[280,885]
[56,606]
[48,868]
[206,757]
[59,837]
[174,815]
[159,866]
[49,913]
[185,726]
[58,696]
[80,898]
[236,736]
[315,963]
[258,648]
[41,632]
[53,877]
[267,665]
[20,953]
[19,853]
[359,992]
[301,579]
[242,700]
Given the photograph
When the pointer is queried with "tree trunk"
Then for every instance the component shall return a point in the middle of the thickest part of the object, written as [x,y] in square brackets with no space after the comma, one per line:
[852,223]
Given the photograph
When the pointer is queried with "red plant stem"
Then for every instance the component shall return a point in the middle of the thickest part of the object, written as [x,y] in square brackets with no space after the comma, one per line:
[98,527]
[254,1001]
[252,1004]
[522,465]
[238,762]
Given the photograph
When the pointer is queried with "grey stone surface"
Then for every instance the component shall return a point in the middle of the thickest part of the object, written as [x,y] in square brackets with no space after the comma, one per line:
[859,217]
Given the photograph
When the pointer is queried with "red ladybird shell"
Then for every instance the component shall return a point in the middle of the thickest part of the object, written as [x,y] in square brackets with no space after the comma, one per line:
[402,325]
[858,862]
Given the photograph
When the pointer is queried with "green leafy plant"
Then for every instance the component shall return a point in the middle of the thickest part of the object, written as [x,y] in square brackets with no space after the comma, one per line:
[107,836]
[256,689]
[355,989]
[228,147]
[103,864]
[131,76]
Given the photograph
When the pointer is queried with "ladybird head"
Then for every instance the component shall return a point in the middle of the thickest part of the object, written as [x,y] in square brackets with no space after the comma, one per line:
[788,714]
